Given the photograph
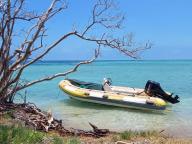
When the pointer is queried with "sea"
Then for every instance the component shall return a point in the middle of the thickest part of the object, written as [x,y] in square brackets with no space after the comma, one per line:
[173,75]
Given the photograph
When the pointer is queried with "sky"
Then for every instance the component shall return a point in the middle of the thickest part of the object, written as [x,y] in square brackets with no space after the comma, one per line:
[167,24]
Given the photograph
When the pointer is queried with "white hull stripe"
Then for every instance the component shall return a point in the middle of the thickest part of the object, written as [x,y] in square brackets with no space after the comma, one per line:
[96,94]
[134,100]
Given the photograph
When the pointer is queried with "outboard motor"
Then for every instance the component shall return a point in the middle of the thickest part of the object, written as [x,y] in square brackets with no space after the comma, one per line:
[153,88]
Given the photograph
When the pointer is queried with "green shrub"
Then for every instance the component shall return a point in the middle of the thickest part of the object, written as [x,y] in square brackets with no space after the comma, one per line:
[147,133]
[4,135]
[73,140]
[126,135]
[18,135]
[58,140]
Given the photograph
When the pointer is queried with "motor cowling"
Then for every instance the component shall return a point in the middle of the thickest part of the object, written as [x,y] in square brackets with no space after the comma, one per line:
[154,89]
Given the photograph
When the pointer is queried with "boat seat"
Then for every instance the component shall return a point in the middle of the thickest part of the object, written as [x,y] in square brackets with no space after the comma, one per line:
[86,85]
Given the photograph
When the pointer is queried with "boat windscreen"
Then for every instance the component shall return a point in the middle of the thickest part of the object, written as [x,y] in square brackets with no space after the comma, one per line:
[87,85]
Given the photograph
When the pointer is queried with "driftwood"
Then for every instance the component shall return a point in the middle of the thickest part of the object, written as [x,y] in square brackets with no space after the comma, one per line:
[43,121]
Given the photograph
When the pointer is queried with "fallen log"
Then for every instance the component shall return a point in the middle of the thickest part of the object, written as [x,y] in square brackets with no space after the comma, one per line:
[99,132]
[39,120]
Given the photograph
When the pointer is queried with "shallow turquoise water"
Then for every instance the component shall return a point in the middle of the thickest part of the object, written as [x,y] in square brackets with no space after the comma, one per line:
[174,76]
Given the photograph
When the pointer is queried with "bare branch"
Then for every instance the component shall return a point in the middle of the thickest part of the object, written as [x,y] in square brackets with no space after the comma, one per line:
[97,52]
[101,17]
[15,59]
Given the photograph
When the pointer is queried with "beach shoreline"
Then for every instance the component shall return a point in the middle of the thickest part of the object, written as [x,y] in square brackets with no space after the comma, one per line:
[155,137]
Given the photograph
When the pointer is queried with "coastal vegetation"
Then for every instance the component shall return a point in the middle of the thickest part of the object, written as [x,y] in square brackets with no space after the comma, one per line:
[16,133]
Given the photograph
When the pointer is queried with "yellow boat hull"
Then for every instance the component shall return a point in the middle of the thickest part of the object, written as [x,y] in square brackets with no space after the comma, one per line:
[112,98]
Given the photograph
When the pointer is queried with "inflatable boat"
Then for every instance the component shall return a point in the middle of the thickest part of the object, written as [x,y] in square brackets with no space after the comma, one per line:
[118,96]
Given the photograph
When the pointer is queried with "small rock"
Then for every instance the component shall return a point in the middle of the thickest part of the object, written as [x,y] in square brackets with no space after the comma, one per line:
[121,142]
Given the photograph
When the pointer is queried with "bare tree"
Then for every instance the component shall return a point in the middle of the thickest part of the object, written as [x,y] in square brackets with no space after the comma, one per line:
[14,60]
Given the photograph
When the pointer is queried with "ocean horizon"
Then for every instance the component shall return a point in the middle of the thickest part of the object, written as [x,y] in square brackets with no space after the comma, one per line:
[97,60]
